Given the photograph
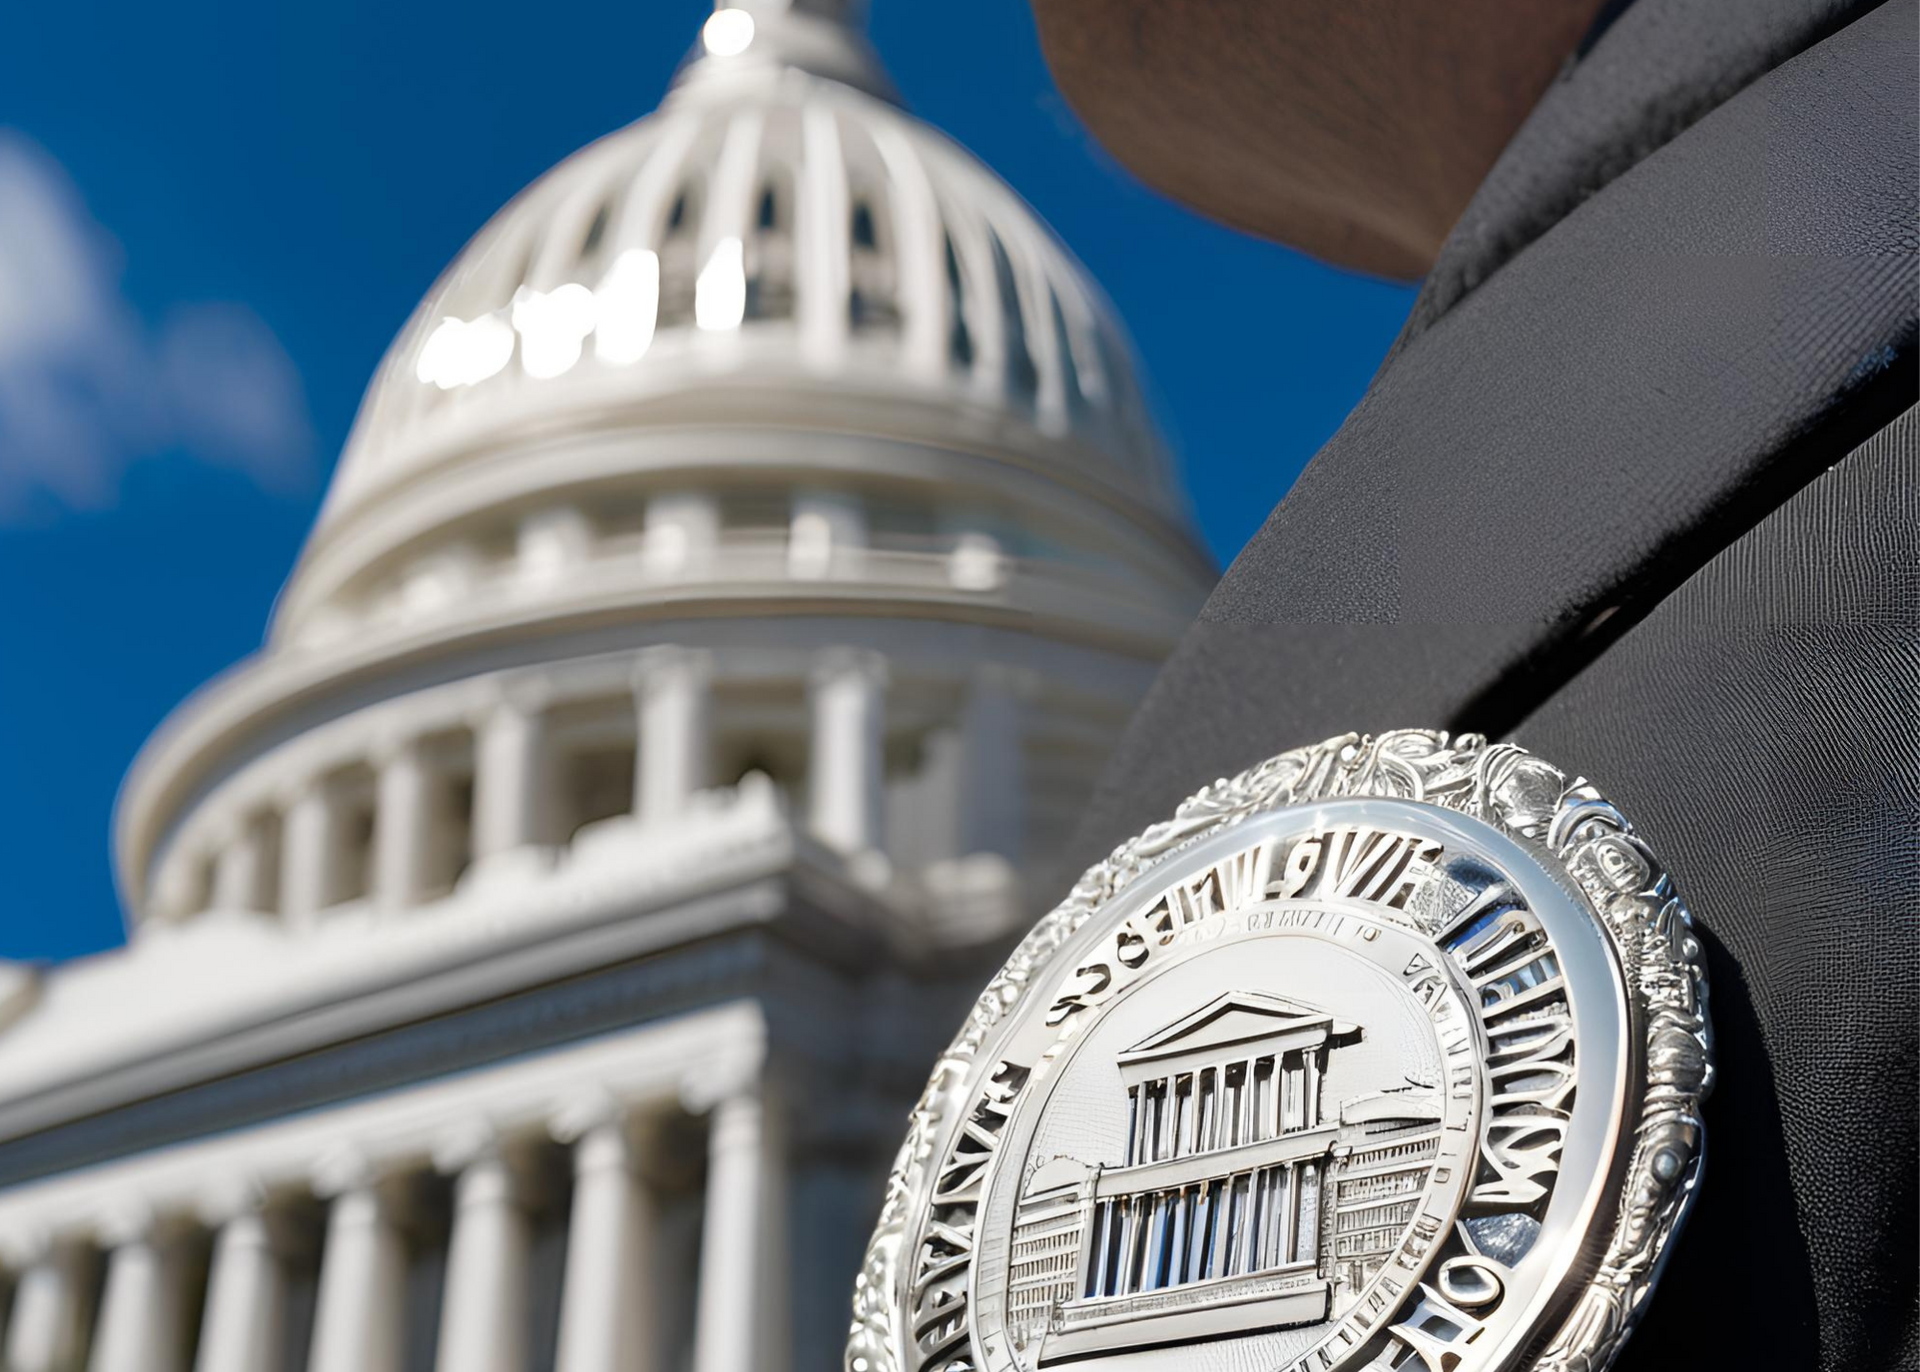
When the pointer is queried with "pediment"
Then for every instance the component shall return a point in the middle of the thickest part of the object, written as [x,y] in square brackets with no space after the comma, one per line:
[1236,1018]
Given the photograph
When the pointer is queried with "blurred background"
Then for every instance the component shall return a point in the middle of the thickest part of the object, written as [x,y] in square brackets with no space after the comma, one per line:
[214,216]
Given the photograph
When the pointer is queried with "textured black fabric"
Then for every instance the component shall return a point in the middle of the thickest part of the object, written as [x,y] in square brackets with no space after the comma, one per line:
[1577,500]
[1650,69]
[1644,381]
[1786,677]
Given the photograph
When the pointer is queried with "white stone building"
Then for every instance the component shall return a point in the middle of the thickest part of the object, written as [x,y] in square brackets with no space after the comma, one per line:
[730,588]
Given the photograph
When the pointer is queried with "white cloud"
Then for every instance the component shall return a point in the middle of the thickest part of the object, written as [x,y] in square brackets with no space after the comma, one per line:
[88,387]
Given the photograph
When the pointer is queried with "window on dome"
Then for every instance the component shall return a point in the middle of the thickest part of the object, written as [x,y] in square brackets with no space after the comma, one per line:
[596,234]
[263,829]
[916,767]
[769,254]
[1022,376]
[452,831]
[761,726]
[196,891]
[902,521]
[352,871]
[872,301]
[959,338]
[679,267]
[754,513]
[596,766]
[617,516]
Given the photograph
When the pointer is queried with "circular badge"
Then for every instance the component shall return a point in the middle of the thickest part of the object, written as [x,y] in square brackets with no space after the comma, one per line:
[1387,1053]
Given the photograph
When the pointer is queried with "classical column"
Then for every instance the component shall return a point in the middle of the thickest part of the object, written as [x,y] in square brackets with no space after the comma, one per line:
[1306,1214]
[672,690]
[1133,1250]
[553,542]
[1202,1225]
[845,763]
[176,890]
[50,1311]
[483,1312]
[606,1311]
[142,1311]
[977,562]
[1220,1264]
[511,779]
[245,1317]
[682,531]
[360,1316]
[826,535]
[1249,1101]
[741,1317]
[240,869]
[403,817]
[309,840]
[1274,1229]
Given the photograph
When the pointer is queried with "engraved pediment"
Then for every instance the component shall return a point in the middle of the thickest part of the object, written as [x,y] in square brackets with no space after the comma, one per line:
[1235,1020]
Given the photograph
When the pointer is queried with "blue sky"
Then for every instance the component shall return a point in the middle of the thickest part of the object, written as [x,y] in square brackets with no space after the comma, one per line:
[214,215]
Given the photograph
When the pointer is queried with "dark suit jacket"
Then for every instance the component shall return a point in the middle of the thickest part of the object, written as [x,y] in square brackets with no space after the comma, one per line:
[1640,487]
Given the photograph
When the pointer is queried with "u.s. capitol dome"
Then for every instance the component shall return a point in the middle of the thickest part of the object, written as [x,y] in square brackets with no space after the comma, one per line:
[734,579]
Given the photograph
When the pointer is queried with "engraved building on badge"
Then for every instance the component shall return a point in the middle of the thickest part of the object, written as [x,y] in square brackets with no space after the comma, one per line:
[1241,1203]
[1324,1072]
[728,593]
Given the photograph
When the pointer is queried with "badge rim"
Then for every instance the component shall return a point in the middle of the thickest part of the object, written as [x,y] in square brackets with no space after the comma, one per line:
[1582,841]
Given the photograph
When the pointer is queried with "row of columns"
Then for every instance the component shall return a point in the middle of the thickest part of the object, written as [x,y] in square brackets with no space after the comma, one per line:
[1197,1110]
[828,536]
[513,777]
[1226,1227]
[607,1314]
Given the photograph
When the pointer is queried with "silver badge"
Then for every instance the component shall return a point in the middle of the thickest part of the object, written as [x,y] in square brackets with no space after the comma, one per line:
[1388,1053]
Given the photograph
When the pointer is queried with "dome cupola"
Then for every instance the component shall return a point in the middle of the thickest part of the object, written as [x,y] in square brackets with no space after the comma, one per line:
[779,244]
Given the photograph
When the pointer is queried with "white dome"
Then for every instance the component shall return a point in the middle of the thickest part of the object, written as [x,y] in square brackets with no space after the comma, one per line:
[777,228]
[775,377]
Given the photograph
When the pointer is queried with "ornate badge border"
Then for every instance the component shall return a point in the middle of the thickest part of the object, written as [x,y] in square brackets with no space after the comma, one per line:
[1521,796]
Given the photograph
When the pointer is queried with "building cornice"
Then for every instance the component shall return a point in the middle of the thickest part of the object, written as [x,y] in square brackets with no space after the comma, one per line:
[215,998]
